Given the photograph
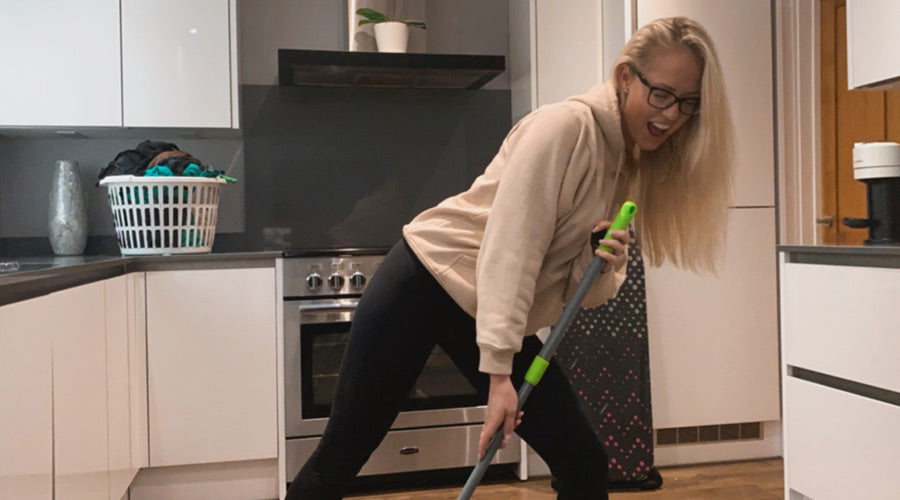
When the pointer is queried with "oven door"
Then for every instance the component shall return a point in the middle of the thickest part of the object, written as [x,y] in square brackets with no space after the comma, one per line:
[316,333]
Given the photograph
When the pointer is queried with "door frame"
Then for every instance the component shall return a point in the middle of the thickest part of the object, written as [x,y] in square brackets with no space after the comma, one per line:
[798,119]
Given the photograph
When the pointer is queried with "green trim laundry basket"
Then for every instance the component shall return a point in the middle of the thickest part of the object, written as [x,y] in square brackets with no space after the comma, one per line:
[163,215]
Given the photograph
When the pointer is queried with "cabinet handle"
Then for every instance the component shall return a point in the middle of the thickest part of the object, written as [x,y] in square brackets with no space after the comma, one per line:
[827,220]
[409,450]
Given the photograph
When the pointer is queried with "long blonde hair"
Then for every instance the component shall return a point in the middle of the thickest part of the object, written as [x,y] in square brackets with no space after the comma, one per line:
[683,189]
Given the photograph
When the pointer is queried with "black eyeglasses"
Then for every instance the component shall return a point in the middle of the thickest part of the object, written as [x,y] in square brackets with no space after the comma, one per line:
[663,99]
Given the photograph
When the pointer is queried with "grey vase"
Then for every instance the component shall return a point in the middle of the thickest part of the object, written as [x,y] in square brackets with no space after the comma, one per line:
[68,222]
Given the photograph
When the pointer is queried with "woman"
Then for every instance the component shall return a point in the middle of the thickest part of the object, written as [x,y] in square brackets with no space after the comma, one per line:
[479,273]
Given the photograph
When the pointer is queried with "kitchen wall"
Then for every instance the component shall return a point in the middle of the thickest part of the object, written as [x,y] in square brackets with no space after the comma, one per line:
[463,128]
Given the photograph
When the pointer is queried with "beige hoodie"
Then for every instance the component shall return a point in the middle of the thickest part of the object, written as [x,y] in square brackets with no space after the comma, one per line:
[512,248]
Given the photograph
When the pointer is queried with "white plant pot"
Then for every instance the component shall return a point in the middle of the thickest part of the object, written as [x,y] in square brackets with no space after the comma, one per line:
[391,36]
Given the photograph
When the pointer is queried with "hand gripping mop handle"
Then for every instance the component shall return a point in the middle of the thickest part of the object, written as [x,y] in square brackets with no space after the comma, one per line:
[542,360]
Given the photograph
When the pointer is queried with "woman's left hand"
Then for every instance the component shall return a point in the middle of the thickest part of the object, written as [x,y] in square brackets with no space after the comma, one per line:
[617,241]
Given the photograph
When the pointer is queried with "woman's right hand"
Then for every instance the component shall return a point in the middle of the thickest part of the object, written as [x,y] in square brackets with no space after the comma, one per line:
[616,241]
[501,411]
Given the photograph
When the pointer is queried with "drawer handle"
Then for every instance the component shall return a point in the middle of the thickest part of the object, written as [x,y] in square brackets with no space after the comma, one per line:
[409,450]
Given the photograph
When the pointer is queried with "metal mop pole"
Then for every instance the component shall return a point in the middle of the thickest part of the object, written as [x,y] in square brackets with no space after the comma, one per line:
[542,360]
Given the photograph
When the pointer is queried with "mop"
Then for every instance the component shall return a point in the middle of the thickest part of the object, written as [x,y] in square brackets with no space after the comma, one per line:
[542,360]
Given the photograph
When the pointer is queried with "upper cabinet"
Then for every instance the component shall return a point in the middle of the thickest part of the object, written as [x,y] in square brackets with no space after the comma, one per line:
[177,63]
[60,64]
[112,63]
[872,59]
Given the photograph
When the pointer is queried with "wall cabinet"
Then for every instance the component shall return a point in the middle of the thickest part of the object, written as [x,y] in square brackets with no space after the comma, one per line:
[178,64]
[60,64]
[872,61]
[211,354]
[145,64]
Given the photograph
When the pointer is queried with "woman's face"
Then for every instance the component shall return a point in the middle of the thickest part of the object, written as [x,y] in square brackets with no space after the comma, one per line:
[675,70]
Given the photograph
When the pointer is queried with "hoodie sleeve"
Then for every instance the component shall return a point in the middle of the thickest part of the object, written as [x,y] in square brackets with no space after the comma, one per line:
[519,229]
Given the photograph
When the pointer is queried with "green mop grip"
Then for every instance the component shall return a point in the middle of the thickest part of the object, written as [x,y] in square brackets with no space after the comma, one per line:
[620,222]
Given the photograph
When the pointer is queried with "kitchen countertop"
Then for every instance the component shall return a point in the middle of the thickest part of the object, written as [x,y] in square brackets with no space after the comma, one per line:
[864,255]
[38,276]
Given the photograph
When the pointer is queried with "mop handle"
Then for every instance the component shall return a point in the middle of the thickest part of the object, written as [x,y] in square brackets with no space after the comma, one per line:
[542,360]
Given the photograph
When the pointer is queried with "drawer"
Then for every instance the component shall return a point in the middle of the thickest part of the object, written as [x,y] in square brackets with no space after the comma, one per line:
[414,450]
[839,445]
[843,321]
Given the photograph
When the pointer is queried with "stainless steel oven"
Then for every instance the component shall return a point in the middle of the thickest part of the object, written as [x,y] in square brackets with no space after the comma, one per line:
[440,421]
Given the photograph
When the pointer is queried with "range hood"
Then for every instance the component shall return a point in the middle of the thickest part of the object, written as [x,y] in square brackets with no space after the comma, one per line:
[382,69]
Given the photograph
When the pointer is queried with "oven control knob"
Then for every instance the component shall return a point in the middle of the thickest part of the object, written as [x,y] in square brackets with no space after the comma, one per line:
[357,280]
[336,281]
[314,281]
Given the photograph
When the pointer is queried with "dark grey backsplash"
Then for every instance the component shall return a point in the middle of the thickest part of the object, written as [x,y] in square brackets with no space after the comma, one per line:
[338,167]
[317,167]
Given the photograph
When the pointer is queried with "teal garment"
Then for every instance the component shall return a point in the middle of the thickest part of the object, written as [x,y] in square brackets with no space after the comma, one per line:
[159,171]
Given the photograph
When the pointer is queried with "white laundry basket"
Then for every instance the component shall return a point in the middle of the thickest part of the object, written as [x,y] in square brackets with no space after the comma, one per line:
[163,215]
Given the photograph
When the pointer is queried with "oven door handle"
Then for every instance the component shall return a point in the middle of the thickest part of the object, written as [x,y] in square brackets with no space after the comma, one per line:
[331,306]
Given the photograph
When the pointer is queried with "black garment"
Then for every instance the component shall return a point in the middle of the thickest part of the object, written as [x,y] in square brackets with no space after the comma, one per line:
[135,161]
[401,316]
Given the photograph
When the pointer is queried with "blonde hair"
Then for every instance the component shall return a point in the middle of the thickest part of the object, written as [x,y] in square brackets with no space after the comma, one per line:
[683,189]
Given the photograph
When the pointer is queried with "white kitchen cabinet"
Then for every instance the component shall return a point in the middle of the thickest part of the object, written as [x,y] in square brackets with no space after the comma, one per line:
[840,390]
[77,322]
[106,63]
[71,369]
[178,63]
[742,34]
[126,380]
[872,38]
[60,63]
[26,411]
[211,354]
[714,339]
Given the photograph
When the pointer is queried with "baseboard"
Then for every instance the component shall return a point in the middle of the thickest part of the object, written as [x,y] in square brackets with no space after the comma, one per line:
[257,479]
[768,446]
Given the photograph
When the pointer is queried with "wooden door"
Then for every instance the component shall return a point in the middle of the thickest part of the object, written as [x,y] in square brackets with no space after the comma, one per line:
[848,116]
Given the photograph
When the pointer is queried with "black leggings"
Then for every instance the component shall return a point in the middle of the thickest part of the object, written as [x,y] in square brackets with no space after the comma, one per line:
[402,315]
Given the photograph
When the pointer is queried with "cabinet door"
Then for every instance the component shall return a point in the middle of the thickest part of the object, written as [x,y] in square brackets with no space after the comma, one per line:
[126,380]
[80,449]
[60,63]
[742,34]
[177,64]
[872,58]
[211,365]
[26,406]
[714,340]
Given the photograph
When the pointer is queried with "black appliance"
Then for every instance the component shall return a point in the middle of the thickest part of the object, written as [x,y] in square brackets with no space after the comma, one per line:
[877,164]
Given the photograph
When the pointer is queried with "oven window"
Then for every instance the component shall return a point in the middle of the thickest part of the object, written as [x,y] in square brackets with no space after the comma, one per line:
[322,345]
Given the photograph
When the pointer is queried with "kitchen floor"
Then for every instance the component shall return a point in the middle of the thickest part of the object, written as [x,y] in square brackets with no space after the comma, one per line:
[746,480]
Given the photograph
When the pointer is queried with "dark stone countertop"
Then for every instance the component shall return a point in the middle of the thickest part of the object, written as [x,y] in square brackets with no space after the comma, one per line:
[862,255]
[29,277]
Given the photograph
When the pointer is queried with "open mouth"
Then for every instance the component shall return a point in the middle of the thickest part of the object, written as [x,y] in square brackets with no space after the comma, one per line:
[657,129]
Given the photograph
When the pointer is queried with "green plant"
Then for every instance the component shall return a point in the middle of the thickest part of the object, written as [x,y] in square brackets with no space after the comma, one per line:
[373,16]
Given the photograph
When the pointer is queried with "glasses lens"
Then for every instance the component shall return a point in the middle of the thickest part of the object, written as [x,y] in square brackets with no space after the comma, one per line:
[660,98]
[689,106]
